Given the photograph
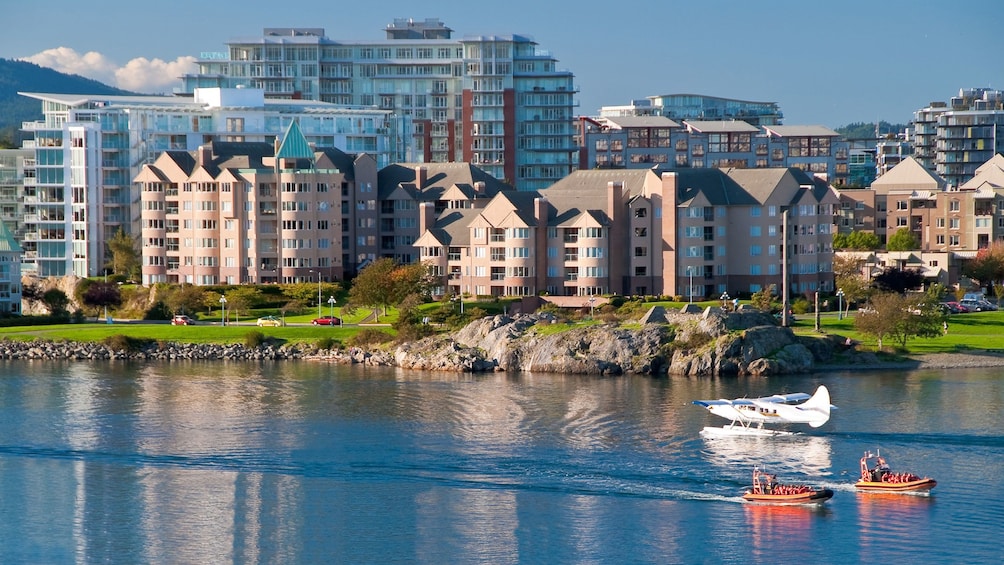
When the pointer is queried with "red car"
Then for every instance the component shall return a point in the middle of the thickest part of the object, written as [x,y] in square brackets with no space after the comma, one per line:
[182,320]
[326,321]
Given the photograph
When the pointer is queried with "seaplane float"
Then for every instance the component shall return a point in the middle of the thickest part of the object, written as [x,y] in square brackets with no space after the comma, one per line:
[876,476]
[766,490]
[749,415]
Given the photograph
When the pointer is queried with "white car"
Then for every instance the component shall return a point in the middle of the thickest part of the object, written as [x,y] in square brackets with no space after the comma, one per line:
[270,321]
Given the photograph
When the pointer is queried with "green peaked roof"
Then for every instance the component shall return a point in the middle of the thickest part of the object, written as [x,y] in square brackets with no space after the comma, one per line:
[7,242]
[294,145]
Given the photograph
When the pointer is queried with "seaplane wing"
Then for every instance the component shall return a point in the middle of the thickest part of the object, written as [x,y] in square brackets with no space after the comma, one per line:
[776,409]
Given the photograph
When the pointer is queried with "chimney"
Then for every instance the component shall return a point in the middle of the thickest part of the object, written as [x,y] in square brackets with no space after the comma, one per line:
[479,188]
[426,216]
[421,176]
[540,212]
[205,155]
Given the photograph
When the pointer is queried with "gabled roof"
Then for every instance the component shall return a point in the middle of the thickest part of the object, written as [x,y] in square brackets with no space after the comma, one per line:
[996,161]
[716,186]
[439,176]
[453,226]
[989,174]
[908,174]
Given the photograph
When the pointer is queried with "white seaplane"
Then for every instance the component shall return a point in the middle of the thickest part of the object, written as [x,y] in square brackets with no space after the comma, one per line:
[749,415]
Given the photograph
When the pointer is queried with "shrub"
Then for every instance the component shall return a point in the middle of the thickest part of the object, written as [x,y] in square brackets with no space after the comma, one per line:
[254,338]
[369,337]
[119,342]
[329,343]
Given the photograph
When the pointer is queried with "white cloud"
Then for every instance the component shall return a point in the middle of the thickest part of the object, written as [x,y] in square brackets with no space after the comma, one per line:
[138,75]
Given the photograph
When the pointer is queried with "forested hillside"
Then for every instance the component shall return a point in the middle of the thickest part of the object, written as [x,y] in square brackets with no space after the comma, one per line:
[21,76]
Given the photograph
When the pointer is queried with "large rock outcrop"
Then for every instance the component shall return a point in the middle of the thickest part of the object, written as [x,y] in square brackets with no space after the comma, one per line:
[710,343]
[502,343]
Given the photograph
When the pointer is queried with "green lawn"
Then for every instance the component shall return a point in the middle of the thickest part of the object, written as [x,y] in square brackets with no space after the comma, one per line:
[974,331]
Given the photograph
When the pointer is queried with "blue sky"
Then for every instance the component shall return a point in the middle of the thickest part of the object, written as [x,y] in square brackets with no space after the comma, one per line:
[827,63]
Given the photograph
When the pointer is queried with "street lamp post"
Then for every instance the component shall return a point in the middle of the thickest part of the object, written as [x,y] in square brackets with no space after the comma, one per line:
[840,304]
[107,319]
[725,300]
[318,292]
[331,302]
[690,271]
[223,310]
[592,302]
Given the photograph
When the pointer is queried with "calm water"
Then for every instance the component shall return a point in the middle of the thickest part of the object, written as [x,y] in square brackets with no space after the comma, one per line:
[310,463]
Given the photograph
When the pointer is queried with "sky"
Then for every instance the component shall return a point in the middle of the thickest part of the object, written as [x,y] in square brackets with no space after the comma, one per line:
[825,63]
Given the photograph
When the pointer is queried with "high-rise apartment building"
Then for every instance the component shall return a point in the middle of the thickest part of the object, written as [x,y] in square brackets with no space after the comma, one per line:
[956,138]
[88,149]
[497,101]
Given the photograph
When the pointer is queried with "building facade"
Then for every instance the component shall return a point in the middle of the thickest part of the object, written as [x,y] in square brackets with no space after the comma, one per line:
[949,223]
[88,149]
[687,232]
[647,141]
[499,102]
[953,139]
[252,212]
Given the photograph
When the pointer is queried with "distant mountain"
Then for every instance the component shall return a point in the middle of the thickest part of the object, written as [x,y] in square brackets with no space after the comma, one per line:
[21,76]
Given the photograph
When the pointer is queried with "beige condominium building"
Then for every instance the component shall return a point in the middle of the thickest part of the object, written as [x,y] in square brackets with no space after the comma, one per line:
[253,212]
[698,233]
[947,222]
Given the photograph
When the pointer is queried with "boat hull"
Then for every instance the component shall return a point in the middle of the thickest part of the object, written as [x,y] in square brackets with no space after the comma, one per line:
[813,497]
[910,486]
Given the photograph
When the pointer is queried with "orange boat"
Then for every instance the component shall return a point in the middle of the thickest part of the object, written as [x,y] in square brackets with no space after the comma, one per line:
[878,477]
[766,490]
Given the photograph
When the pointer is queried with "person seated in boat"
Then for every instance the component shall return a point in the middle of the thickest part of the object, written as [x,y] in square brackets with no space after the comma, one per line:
[880,471]
[771,483]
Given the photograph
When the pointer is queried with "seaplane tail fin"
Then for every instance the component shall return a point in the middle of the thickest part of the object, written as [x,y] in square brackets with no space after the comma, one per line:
[817,407]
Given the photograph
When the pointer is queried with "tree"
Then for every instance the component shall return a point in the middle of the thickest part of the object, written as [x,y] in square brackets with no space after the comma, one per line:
[857,240]
[863,241]
[900,317]
[988,265]
[240,300]
[186,298]
[902,240]
[56,301]
[763,299]
[384,283]
[100,295]
[123,257]
[898,280]
[848,278]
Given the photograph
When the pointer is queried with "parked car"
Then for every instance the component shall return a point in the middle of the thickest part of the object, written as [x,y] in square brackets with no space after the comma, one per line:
[978,305]
[953,307]
[270,321]
[326,321]
[182,320]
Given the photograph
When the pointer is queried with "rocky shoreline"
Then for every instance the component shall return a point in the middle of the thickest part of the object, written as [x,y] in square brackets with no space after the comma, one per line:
[711,343]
